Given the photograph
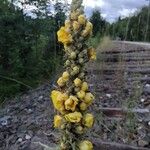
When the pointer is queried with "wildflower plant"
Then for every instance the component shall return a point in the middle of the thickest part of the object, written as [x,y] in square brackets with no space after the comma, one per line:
[72,97]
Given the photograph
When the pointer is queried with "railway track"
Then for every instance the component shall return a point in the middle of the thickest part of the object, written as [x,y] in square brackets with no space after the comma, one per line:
[119,78]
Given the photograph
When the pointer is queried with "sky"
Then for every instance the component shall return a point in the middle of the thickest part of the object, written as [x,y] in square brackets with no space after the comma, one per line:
[110,9]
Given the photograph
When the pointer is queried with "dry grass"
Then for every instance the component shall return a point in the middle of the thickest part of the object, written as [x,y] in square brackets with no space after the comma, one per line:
[105,43]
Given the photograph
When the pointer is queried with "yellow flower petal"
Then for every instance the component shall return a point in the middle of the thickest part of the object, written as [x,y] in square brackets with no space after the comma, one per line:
[65,76]
[77,82]
[81,94]
[88,120]
[61,82]
[82,19]
[83,106]
[89,27]
[92,54]
[70,104]
[84,86]
[58,100]
[57,121]
[64,36]
[85,145]
[88,99]
[74,117]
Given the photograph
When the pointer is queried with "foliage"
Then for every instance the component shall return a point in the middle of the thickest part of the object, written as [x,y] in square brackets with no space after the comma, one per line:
[132,28]
[29,50]
[100,24]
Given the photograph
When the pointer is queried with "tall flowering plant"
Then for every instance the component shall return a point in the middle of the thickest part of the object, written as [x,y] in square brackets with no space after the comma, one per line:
[72,97]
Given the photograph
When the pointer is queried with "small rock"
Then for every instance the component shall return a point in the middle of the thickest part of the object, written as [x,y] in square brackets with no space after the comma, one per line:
[108,95]
[147,88]
[149,123]
[142,143]
[41,97]
[30,111]
[142,100]
[19,140]
[147,85]
[146,76]
[4,120]
[27,137]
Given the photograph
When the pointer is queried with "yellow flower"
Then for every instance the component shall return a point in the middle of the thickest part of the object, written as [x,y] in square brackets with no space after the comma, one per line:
[85,145]
[76,26]
[64,96]
[77,82]
[64,36]
[58,100]
[92,54]
[88,120]
[81,94]
[57,121]
[70,104]
[82,19]
[84,86]
[61,82]
[89,27]
[88,99]
[74,117]
[65,76]
[83,106]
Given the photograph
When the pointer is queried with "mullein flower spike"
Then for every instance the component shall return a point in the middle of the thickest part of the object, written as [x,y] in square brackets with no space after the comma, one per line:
[72,98]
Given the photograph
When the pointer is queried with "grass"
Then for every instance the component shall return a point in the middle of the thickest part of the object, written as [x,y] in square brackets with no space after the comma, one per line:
[11,87]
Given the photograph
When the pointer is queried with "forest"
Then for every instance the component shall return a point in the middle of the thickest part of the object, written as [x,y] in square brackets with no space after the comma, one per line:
[29,51]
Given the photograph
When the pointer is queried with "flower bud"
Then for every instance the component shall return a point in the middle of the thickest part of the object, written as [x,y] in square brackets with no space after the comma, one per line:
[77,82]
[81,61]
[82,19]
[73,55]
[65,76]
[88,99]
[83,106]
[57,121]
[79,130]
[81,94]
[76,89]
[88,120]
[67,63]
[85,145]
[76,69]
[74,117]
[61,82]
[84,86]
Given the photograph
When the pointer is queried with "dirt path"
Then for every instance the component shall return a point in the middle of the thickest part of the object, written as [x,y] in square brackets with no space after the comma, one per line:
[27,120]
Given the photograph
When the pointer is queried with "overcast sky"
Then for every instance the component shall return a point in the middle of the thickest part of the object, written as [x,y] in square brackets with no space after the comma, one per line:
[111,9]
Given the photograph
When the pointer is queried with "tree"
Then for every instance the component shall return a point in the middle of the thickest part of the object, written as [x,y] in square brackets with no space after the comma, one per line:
[98,22]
